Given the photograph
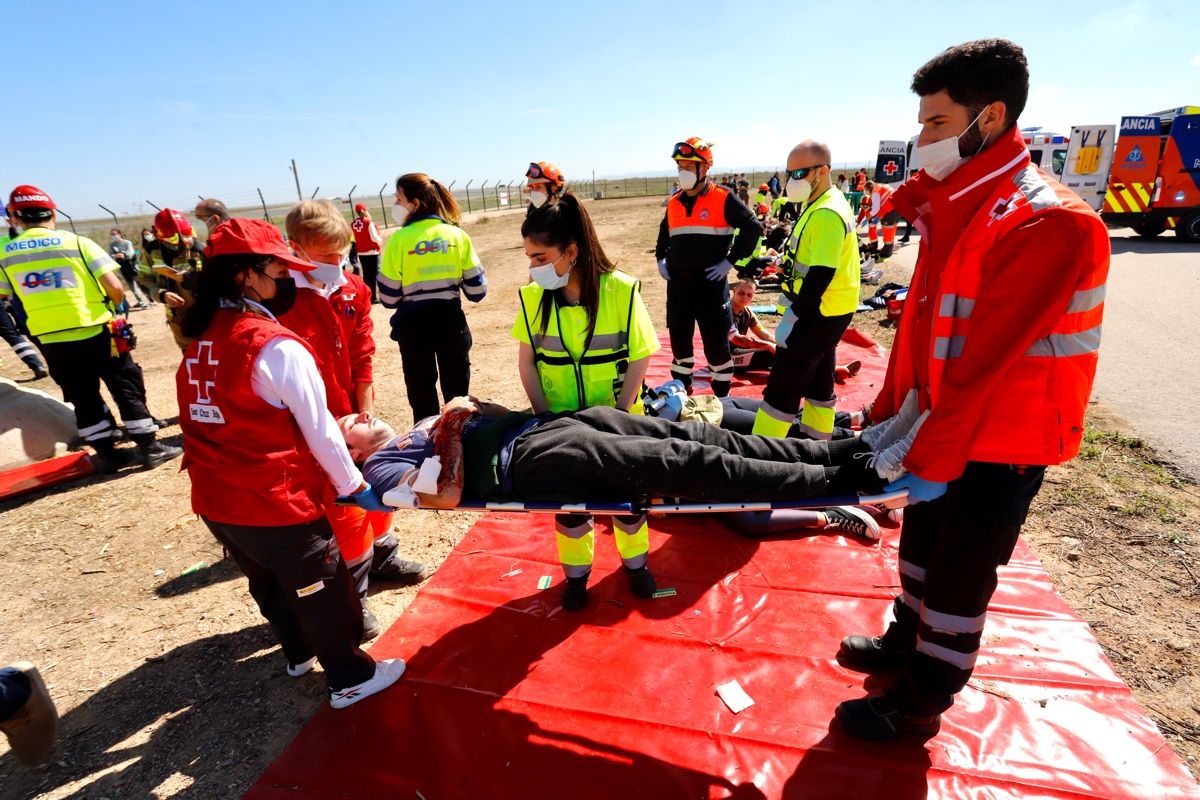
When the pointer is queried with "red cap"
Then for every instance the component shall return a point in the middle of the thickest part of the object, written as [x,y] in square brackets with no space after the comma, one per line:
[360,208]
[170,222]
[26,196]
[243,236]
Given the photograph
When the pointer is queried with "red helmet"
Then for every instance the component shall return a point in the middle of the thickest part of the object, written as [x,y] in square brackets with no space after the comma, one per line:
[693,149]
[360,208]
[545,172]
[26,196]
[169,222]
[763,209]
[764,188]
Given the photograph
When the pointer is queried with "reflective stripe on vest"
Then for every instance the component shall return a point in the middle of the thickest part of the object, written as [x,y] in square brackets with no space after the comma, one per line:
[707,217]
[841,296]
[47,275]
[597,376]
[432,261]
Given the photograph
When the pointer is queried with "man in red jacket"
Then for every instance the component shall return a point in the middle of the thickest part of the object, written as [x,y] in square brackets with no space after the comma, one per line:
[989,376]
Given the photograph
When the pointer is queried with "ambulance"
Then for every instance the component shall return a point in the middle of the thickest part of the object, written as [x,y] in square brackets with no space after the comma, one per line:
[1147,177]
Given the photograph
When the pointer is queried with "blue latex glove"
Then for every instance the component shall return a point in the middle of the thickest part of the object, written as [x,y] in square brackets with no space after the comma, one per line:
[369,501]
[919,490]
[718,271]
[662,269]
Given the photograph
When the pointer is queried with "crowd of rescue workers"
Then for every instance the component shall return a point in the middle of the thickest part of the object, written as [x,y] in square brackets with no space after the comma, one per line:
[289,463]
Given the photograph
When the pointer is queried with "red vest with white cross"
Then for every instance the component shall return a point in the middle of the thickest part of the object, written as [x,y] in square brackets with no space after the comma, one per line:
[248,461]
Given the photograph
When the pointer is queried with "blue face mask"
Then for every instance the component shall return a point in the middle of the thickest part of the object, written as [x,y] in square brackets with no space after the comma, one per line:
[548,278]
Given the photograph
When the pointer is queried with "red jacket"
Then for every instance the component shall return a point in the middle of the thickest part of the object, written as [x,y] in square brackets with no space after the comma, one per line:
[352,306]
[312,318]
[247,460]
[1001,328]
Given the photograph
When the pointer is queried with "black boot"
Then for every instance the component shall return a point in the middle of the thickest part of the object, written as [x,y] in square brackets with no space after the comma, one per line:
[371,626]
[155,452]
[108,459]
[641,582]
[869,654]
[575,594]
[882,719]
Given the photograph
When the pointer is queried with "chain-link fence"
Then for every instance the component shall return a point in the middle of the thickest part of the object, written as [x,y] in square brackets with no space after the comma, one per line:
[475,195]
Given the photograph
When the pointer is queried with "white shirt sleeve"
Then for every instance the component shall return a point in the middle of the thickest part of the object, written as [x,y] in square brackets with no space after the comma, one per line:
[875,204]
[285,375]
[373,232]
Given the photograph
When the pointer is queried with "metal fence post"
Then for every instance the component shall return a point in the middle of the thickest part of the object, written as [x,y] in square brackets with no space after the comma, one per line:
[71,221]
[469,194]
[266,214]
[350,199]
[313,196]
[156,208]
[483,194]
[111,214]
[383,211]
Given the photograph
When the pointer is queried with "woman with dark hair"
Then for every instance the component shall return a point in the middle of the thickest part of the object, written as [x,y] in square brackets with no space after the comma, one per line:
[585,340]
[266,457]
[426,265]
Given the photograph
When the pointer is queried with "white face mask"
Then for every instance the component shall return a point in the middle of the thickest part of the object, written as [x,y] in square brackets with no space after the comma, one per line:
[687,179]
[399,213]
[538,199]
[940,159]
[798,191]
[326,273]
[546,277]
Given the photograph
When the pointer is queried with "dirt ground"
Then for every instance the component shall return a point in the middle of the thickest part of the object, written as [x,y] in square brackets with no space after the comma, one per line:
[170,684]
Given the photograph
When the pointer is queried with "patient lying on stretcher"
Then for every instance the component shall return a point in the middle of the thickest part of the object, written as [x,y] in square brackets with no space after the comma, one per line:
[484,451]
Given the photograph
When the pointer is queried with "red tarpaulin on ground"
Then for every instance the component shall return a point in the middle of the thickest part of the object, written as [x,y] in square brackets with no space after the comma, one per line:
[508,696]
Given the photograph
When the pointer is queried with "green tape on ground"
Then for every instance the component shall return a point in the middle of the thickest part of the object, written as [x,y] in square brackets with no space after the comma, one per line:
[544,582]
[664,593]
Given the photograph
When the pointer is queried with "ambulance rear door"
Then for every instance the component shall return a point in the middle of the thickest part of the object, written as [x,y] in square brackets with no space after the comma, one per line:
[890,162]
[1135,166]
[1089,159]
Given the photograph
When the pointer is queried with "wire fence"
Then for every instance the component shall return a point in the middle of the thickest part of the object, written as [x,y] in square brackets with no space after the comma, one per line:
[474,195]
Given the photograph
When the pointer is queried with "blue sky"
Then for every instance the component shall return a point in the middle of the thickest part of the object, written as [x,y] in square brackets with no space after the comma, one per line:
[164,101]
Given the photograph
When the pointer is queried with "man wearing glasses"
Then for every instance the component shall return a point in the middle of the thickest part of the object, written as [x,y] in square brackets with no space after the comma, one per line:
[820,294]
[696,250]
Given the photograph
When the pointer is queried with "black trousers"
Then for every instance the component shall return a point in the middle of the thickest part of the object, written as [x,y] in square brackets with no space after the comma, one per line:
[949,551]
[435,347]
[20,345]
[305,592]
[370,269]
[78,367]
[606,454]
[805,362]
[692,302]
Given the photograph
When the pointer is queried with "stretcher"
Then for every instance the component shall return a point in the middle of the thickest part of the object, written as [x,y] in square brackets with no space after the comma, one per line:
[661,507]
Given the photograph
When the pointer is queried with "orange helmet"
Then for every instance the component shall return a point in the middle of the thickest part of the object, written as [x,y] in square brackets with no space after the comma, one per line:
[764,188]
[545,172]
[763,209]
[693,149]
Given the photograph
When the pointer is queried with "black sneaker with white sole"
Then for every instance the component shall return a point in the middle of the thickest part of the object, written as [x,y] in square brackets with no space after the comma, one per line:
[852,520]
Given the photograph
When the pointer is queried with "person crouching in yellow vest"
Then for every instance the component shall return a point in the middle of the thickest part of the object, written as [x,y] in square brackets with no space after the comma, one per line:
[820,295]
[585,341]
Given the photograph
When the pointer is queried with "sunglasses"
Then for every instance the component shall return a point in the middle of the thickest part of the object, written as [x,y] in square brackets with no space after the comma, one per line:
[536,172]
[686,150]
[802,172]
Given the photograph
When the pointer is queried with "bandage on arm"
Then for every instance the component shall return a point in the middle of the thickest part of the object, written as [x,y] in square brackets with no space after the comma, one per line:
[448,449]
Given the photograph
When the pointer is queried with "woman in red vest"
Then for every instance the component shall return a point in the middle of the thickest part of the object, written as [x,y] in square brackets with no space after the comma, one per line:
[266,457]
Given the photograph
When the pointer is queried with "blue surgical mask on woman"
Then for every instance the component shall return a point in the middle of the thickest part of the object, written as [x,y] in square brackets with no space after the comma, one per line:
[548,278]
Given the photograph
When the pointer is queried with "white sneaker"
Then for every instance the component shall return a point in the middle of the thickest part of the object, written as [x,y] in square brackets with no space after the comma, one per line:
[852,520]
[387,672]
[303,668]
[891,430]
[889,463]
